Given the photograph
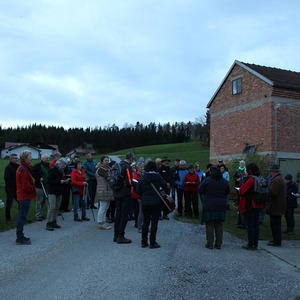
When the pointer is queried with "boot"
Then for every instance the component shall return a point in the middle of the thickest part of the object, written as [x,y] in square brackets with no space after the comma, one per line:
[49,226]
[55,225]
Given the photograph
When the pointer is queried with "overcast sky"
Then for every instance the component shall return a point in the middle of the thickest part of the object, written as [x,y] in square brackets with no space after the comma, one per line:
[92,63]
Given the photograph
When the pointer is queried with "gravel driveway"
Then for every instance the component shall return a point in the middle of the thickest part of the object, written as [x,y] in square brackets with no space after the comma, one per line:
[79,261]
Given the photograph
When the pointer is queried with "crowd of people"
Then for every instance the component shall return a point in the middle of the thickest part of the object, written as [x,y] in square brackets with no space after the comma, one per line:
[146,184]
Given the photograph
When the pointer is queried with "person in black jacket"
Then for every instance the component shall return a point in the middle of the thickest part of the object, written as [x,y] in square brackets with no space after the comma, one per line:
[148,188]
[56,180]
[291,203]
[10,184]
[123,198]
[214,190]
[40,175]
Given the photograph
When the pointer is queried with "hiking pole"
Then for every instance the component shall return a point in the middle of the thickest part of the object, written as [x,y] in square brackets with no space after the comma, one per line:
[87,190]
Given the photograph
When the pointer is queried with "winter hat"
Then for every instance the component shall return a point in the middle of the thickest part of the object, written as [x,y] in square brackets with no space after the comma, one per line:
[288,177]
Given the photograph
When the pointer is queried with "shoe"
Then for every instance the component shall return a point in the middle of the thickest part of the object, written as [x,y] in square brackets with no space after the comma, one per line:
[271,243]
[104,227]
[77,219]
[108,220]
[247,247]
[218,247]
[145,245]
[209,247]
[154,246]
[26,238]
[123,240]
[93,207]
[55,225]
[23,241]
[166,218]
[115,239]
[49,226]
[85,219]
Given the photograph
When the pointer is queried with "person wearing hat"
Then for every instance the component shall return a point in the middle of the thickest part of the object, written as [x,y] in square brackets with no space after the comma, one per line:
[165,172]
[291,203]
[277,204]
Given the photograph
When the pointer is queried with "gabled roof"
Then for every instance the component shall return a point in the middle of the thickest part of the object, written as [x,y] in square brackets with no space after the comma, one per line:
[276,77]
[35,145]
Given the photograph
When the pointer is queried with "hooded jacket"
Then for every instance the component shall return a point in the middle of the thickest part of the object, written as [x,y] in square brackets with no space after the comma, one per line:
[145,190]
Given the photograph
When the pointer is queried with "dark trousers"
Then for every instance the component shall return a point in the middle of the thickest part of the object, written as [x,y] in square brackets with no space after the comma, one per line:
[110,213]
[180,194]
[65,199]
[24,206]
[275,223]
[92,188]
[191,201]
[290,219]
[151,214]
[122,206]
[136,208]
[251,219]
[10,196]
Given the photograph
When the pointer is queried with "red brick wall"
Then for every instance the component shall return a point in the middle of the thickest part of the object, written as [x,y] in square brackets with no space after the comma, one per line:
[249,117]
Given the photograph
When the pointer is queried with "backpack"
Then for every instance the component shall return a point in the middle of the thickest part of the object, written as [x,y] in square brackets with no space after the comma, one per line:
[261,191]
[115,180]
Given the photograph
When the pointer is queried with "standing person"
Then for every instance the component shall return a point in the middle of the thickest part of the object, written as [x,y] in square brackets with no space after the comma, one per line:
[79,185]
[198,171]
[174,170]
[56,181]
[214,190]
[56,157]
[224,172]
[104,192]
[277,204]
[291,203]
[138,214]
[65,199]
[249,208]
[151,203]
[191,184]
[110,213]
[10,184]
[165,173]
[40,175]
[90,172]
[238,176]
[25,194]
[123,197]
[182,171]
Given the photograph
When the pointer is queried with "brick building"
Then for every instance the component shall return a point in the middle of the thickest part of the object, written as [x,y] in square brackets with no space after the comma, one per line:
[257,109]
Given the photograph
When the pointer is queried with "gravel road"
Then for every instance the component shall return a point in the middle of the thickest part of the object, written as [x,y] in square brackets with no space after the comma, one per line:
[79,261]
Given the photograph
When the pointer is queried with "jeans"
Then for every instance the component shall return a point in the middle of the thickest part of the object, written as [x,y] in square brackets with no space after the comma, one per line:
[24,206]
[101,217]
[53,207]
[122,207]
[275,223]
[10,196]
[151,214]
[251,219]
[77,199]
[40,202]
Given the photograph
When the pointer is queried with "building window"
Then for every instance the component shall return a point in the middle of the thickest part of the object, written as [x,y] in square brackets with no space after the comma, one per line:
[237,86]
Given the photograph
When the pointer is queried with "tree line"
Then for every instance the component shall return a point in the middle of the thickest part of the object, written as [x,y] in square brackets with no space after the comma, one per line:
[109,138]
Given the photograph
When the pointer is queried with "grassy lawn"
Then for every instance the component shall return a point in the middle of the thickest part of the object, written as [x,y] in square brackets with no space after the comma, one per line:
[191,152]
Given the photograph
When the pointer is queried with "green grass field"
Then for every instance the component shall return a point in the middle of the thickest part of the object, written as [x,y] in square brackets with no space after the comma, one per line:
[191,152]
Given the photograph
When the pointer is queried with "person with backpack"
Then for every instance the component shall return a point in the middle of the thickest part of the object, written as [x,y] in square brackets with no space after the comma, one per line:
[249,207]
[122,195]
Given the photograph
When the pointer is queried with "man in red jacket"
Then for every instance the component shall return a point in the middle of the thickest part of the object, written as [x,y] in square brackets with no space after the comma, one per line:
[25,194]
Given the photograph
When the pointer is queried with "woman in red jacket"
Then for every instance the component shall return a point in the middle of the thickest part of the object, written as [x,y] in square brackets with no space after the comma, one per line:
[78,185]
[25,193]
[249,208]
[191,182]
